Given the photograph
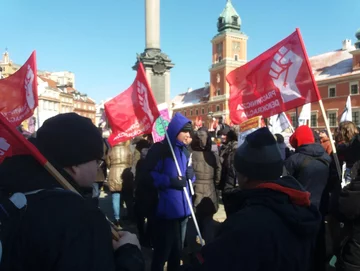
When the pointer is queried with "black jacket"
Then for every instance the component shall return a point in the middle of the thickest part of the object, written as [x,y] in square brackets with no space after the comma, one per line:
[310,166]
[268,232]
[60,230]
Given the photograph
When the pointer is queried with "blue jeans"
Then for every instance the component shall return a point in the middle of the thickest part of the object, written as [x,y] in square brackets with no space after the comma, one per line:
[116,205]
[168,243]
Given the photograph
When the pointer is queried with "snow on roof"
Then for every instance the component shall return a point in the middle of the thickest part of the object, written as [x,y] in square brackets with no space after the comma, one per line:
[190,98]
[332,64]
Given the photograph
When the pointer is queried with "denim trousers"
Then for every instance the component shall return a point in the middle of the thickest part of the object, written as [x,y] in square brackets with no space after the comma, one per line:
[116,204]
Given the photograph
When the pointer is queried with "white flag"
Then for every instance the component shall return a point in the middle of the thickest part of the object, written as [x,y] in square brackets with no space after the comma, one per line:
[305,114]
[347,114]
[278,123]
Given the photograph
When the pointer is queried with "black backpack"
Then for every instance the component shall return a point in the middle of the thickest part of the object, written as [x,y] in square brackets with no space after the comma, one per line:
[147,192]
[11,211]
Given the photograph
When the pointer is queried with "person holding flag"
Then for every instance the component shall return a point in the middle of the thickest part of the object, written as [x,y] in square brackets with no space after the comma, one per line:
[172,210]
[60,229]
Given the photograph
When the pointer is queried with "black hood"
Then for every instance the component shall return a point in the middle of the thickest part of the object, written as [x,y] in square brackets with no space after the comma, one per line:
[302,220]
[314,150]
[23,174]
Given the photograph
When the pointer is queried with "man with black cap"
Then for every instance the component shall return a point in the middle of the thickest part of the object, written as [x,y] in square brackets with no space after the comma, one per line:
[275,225]
[61,230]
[172,210]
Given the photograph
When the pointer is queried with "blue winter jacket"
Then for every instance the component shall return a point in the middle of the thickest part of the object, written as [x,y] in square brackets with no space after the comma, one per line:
[172,203]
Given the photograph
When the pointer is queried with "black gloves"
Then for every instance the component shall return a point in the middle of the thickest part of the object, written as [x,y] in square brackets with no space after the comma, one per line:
[189,173]
[178,183]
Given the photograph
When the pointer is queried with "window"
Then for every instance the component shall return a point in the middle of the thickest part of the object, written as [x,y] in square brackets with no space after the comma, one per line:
[218,92]
[217,108]
[190,112]
[332,119]
[235,20]
[209,109]
[236,57]
[332,91]
[202,111]
[185,113]
[354,88]
[313,120]
[293,119]
[46,105]
[196,112]
[219,51]
[356,117]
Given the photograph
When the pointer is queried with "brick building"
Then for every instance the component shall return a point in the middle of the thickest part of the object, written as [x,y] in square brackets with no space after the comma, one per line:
[337,74]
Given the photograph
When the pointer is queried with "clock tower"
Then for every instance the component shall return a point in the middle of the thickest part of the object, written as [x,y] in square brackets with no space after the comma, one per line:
[228,53]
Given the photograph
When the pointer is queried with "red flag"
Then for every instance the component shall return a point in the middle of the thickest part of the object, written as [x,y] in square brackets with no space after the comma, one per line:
[12,142]
[18,93]
[133,112]
[276,81]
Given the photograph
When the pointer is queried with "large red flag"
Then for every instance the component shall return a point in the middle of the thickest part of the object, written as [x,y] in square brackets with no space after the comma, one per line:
[276,81]
[133,112]
[18,93]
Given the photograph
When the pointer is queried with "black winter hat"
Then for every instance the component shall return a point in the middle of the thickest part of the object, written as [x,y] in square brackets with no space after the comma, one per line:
[187,127]
[70,140]
[259,158]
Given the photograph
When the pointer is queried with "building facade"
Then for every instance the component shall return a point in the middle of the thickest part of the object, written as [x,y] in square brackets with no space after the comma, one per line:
[337,74]
[84,106]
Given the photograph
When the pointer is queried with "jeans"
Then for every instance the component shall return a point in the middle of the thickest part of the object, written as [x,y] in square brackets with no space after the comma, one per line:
[168,243]
[116,205]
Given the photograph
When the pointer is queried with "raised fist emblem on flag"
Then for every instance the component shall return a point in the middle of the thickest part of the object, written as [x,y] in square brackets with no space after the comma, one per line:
[284,70]
[4,146]
[144,101]
[29,87]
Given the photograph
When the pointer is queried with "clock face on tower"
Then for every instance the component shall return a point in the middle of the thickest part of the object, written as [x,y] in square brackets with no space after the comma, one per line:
[236,46]
[218,78]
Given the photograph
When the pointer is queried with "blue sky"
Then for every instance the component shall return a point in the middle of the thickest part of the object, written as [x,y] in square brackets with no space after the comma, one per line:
[98,40]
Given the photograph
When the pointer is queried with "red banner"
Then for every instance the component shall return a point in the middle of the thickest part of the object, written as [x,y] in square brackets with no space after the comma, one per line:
[276,81]
[12,142]
[18,93]
[133,112]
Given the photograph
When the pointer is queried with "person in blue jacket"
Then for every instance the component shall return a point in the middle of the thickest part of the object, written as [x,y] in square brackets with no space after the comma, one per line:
[172,209]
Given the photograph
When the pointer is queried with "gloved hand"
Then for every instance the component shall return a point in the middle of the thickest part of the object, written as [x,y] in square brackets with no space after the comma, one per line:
[190,173]
[178,182]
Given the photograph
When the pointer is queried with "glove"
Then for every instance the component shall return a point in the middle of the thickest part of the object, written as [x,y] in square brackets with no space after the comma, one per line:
[178,183]
[189,173]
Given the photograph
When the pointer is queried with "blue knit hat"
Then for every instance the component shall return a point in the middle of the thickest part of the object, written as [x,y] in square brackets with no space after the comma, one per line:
[259,158]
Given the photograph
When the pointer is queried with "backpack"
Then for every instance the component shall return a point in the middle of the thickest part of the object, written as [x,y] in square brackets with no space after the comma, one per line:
[147,200]
[11,211]
[307,160]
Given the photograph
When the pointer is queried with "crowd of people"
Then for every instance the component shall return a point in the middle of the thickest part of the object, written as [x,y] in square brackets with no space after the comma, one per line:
[285,202]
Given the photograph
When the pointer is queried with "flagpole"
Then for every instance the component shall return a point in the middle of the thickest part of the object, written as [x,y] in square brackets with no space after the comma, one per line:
[185,190]
[337,163]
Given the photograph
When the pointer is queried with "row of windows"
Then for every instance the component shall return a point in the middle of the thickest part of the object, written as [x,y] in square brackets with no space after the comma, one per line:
[202,111]
[66,109]
[332,118]
[66,100]
[354,89]
[49,105]
[84,106]
[90,116]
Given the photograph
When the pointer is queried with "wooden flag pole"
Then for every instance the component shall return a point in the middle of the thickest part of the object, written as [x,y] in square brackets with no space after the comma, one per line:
[66,185]
[336,158]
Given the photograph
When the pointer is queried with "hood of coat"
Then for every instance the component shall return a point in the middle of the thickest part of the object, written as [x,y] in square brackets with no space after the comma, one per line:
[201,141]
[314,150]
[303,135]
[175,126]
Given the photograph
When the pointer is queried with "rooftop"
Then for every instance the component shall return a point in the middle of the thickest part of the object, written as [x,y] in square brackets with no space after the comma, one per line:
[333,64]
[191,97]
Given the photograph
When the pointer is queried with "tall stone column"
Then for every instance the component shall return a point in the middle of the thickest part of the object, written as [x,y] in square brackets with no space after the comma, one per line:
[156,63]
[152,24]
